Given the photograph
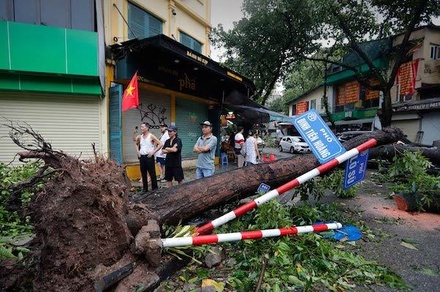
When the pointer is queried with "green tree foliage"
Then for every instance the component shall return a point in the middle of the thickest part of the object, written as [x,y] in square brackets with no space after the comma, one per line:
[275,36]
[14,224]
[268,42]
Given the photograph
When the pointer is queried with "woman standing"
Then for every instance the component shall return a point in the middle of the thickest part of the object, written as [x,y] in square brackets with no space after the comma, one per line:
[252,153]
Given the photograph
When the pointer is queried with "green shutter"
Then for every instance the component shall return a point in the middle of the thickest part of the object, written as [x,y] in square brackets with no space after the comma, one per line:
[155,26]
[142,23]
[136,22]
[190,42]
[115,123]
[189,115]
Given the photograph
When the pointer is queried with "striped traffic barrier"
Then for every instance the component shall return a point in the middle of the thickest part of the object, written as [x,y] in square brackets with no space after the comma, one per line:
[284,188]
[244,235]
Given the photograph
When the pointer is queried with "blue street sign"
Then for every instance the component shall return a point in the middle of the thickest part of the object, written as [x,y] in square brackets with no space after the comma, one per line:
[318,135]
[263,188]
[355,169]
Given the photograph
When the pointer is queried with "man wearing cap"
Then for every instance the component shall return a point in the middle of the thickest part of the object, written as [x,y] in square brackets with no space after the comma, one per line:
[205,147]
[173,161]
[160,156]
[146,146]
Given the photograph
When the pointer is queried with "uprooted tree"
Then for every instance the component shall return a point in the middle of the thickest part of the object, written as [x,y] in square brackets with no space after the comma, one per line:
[86,221]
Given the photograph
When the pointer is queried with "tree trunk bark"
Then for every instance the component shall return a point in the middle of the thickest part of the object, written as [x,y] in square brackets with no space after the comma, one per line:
[387,110]
[387,152]
[184,201]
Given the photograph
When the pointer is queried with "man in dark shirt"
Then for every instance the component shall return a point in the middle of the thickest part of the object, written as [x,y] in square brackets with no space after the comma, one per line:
[173,161]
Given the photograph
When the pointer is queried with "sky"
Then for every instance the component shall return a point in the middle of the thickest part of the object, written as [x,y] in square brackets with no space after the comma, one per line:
[224,12]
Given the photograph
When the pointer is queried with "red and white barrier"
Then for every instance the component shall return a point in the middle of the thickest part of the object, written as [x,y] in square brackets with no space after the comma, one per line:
[286,187]
[244,235]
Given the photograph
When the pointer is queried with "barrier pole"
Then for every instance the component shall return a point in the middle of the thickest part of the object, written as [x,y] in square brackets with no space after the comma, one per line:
[245,235]
[286,187]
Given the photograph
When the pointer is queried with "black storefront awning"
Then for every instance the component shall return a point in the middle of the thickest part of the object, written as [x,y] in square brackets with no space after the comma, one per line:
[257,113]
[166,63]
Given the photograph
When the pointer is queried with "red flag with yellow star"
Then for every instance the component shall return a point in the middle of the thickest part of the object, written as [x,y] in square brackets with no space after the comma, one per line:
[130,99]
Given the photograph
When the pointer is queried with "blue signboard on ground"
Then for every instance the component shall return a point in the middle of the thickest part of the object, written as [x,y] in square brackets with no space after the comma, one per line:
[355,169]
[263,188]
[318,135]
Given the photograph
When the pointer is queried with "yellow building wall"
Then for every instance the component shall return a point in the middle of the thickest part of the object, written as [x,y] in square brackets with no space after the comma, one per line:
[190,17]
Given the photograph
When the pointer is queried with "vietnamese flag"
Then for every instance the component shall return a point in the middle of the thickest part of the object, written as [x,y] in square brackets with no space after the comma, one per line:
[130,99]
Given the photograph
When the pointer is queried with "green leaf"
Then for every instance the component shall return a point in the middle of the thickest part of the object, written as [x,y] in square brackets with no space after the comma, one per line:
[429,272]
[408,245]
[296,281]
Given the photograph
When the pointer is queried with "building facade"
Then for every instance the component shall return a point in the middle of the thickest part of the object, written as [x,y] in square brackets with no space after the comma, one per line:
[167,43]
[52,74]
[415,94]
[312,99]
[65,65]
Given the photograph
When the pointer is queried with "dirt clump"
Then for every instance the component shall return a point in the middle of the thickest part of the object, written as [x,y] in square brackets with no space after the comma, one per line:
[79,224]
[79,220]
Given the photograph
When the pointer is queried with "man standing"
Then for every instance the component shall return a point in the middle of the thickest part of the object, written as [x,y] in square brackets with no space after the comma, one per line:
[160,155]
[205,147]
[173,161]
[251,146]
[238,144]
[146,146]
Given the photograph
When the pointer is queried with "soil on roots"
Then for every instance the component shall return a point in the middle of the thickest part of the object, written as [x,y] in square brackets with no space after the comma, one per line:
[79,224]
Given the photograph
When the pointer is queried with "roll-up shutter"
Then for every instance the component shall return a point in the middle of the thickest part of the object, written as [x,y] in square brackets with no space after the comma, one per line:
[70,123]
[410,127]
[189,115]
[430,127]
[154,108]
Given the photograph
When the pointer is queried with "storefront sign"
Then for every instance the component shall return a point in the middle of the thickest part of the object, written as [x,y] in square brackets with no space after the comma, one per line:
[197,57]
[301,107]
[418,106]
[406,77]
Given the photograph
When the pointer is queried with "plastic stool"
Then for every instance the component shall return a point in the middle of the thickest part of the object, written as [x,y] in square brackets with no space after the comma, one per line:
[224,158]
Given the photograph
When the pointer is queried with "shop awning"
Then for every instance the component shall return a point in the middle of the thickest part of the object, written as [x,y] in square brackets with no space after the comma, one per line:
[257,113]
[166,63]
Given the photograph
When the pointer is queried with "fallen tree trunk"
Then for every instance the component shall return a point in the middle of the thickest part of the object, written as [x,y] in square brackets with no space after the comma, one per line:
[413,202]
[388,152]
[182,202]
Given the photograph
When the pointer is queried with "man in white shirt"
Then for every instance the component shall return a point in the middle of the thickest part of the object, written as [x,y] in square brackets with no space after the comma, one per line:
[160,156]
[238,143]
[146,146]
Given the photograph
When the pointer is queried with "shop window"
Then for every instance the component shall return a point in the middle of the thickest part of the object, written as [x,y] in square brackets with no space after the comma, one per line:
[369,103]
[190,42]
[75,14]
[435,52]
[142,24]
